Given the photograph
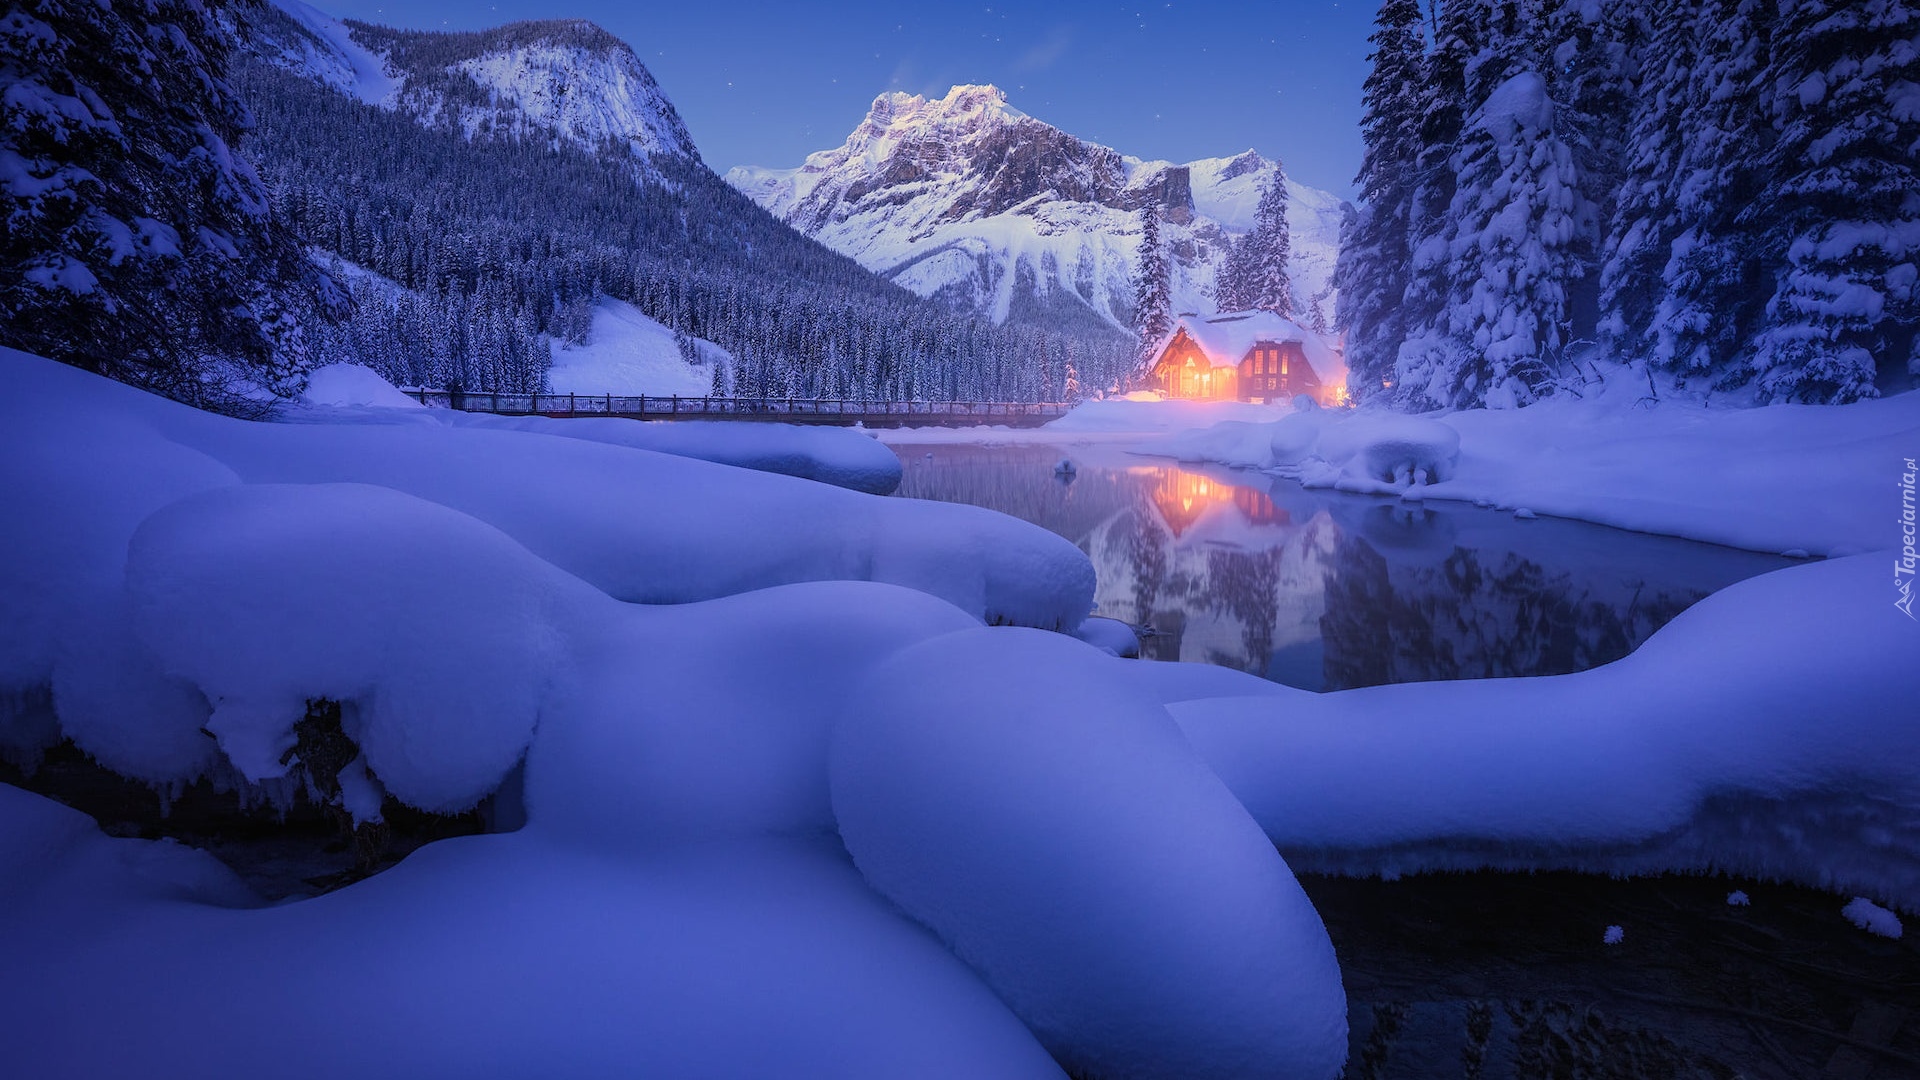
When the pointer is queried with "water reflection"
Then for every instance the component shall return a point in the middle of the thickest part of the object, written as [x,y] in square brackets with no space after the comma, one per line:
[1328,591]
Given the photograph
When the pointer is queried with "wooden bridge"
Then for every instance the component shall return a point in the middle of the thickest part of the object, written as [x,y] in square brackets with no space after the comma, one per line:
[842,411]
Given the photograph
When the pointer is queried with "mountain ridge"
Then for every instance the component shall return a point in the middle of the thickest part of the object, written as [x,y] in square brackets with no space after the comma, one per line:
[967,198]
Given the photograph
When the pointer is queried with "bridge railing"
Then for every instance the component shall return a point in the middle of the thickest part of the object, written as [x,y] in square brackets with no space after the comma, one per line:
[651,406]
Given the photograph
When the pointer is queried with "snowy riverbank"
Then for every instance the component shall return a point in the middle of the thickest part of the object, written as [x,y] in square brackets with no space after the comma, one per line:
[781,769]
[1822,480]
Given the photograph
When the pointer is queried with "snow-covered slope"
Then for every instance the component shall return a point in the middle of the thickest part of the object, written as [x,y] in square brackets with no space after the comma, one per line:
[969,198]
[316,44]
[628,353]
[567,81]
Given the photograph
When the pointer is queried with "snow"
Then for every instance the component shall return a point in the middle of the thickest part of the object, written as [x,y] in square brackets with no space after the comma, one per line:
[332,56]
[1068,844]
[353,386]
[780,779]
[916,194]
[439,632]
[1767,732]
[1226,339]
[695,775]
[589,97]
[1779,478]
[831,455]
[350,394]
[628,353]
[1371,452]
[1110,636]
[1872,918]
[486,956]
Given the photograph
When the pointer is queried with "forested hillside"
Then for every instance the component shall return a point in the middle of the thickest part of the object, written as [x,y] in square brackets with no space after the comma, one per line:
[478,227]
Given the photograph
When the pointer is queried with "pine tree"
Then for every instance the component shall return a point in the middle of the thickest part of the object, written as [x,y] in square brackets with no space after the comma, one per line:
[138,244]
[1593,55]
[1711,286]
[1256,268]
[1152,284]
[1510,256]
[1645,219]
[1458,30]
[1375,245]
[1841,205]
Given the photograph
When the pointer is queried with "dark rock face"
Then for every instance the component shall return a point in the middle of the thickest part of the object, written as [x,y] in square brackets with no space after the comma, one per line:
[1025,160]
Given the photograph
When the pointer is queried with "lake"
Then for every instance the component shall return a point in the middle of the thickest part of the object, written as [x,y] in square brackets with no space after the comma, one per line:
[1326,591]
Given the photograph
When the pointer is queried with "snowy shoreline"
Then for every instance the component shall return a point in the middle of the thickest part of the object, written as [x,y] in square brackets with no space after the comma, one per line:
[1782,479]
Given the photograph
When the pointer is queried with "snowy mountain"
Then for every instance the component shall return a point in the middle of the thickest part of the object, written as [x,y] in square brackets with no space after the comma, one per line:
[566,80]
[505,190]
[969,199]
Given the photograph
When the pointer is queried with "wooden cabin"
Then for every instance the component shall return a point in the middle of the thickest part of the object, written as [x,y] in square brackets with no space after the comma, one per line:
[1246,356]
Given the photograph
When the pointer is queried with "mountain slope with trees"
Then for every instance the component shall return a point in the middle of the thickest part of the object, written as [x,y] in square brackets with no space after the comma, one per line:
[508,180]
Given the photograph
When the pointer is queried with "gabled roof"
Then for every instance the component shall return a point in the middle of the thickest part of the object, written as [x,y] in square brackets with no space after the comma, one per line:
[1226,338]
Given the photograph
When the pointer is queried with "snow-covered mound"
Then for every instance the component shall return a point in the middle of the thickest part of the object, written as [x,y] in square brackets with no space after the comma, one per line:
[967,197]
[1770,730]
[86,460]
[1369,452]
[1094,836]
[353,386]
[457,594]
[628,353]
[1780,478]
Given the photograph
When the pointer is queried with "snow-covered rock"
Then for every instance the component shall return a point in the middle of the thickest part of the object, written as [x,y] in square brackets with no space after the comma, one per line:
[1872,918]
[966,197]
[1056,831]
[353,386]
[439,633]
[1363,452]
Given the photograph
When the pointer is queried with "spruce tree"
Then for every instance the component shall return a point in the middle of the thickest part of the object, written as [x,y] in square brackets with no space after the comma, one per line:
[1712,286]
[1257,266]
[1458,30]
[1841,204]
[1152,284]
[1375,242]
[1510,255]
[138,243]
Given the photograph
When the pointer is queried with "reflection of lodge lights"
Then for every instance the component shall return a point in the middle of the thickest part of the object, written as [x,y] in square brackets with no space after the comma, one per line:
[1182,496]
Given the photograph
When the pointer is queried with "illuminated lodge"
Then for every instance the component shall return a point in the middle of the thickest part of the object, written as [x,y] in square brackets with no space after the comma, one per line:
[1246,356]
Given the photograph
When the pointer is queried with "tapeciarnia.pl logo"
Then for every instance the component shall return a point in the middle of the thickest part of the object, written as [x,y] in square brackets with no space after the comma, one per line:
[1903,567]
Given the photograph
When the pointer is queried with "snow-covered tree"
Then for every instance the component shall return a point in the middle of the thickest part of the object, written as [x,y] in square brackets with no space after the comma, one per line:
[1255,275]
[1510,258]
[1594,53]
[1458,30]
[137,242]
[1843,200]
[1709,282]
[1375,245]
[1152,283]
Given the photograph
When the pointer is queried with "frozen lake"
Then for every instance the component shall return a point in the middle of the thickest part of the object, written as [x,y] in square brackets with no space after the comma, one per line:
[1327,591]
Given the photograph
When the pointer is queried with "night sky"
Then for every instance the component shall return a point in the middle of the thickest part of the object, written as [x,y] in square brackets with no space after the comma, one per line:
[768,83]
